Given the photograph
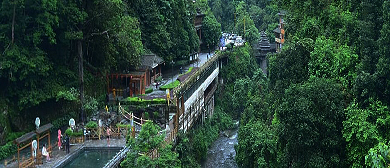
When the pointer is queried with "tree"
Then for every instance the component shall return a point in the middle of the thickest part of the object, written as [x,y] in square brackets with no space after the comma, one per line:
[150,139]
[23,58]
[310,124]
[364,128]
[291,66]
[332,60]
[379,156]
[211,30]
[382,71]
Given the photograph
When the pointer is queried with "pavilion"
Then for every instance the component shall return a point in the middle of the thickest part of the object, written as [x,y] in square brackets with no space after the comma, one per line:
[122,85]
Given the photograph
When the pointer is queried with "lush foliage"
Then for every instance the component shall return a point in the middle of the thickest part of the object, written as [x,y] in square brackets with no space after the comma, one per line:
[310,120]
[143,102]
[150,139]
[91,124]
[170,85]
[72,133]
[379,156]
[325,103]
[8,149]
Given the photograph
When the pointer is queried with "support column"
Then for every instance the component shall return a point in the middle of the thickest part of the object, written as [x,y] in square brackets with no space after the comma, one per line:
[144,88]
[140,85]
[49,140]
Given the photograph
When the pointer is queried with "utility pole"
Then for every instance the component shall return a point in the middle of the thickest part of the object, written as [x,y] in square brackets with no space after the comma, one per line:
[244,27]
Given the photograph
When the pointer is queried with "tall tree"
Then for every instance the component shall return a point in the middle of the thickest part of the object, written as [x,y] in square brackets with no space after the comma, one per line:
[311,117]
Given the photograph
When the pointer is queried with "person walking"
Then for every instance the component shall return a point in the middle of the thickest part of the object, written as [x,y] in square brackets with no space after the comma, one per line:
[67,146]
[108,135]
[59,139]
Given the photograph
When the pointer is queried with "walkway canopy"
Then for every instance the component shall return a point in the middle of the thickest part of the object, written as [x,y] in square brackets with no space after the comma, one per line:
[27,139]
[122,85]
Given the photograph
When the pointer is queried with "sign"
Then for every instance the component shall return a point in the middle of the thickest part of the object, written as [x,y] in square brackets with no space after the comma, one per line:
[72,123]
[37,122]
[34,146]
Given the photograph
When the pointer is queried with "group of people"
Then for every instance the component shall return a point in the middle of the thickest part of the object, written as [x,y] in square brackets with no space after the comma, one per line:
[63,143]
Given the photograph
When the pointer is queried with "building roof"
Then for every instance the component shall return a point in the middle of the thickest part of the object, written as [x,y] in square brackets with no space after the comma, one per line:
[151,60]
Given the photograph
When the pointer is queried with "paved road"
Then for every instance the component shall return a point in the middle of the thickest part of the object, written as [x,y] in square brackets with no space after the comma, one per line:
[168,77]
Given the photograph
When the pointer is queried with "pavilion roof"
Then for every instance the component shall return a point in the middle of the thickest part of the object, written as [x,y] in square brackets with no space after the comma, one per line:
[44,128]
[25,137]
[151,60]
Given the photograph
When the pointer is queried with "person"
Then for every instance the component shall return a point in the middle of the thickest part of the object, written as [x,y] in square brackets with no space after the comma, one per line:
[181,70]
[59,139]
[45,153]
[108,136]
[67,146]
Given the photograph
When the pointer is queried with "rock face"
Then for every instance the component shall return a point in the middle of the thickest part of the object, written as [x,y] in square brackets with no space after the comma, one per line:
[157,113]
[3,125]
[2,135]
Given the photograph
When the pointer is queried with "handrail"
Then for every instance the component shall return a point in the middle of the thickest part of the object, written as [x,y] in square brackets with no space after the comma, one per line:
[131,115]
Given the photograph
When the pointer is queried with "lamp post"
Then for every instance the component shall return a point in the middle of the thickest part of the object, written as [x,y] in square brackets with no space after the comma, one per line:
[172,69]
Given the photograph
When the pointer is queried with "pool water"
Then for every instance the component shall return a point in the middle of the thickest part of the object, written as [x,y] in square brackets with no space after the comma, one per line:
[92,159]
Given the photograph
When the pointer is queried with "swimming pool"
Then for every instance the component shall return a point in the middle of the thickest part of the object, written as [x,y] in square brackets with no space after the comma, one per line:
[91,157]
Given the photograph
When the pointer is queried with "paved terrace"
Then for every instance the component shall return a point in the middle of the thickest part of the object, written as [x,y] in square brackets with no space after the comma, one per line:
[59,156]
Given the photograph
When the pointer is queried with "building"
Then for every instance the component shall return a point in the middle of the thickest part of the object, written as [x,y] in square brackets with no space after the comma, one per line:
[122,85]
[261,49]
[279,32]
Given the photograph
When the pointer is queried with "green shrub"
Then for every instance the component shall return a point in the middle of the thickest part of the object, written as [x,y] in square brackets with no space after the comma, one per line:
[120,125]
[7,150]
[170,85]
[71,133]
[146,115]
[68,132]
[13,135]
[155,114]
[91,124]
[148,90]
[142,102]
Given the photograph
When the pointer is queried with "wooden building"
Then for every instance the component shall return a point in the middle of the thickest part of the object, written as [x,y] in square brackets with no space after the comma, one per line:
[122,85]
[279,32]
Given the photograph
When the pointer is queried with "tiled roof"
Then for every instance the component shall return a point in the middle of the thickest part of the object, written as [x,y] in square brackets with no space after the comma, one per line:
[151,60]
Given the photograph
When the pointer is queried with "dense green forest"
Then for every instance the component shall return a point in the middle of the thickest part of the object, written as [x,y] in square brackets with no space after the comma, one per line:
[55,54]
[323,103]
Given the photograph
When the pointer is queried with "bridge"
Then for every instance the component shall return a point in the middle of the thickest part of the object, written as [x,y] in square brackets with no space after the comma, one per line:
[194,97]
